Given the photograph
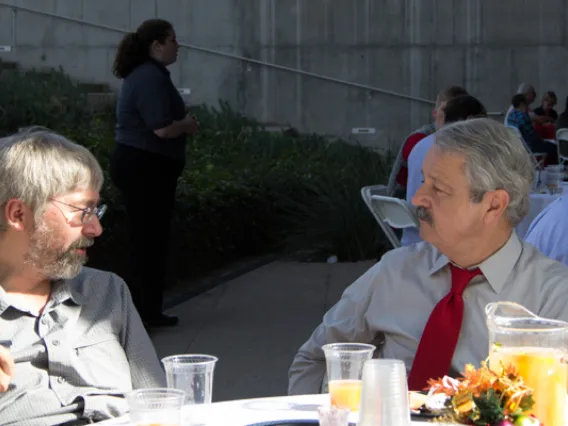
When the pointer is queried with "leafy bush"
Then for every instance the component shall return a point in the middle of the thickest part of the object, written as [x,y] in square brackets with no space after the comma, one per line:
[244,191]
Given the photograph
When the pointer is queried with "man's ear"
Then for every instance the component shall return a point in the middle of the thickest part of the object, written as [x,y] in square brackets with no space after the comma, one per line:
[497,202]
[18,215]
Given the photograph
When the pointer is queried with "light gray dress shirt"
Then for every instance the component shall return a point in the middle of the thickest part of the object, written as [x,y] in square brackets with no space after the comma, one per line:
[75,361]
[390,304]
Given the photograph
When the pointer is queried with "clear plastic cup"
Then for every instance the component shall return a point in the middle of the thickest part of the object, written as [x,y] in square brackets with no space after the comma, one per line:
[384,397]
[155,407]
[344,370]
[193,374]
[554,181]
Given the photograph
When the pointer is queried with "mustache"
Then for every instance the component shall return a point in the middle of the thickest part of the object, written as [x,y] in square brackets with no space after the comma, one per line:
[424,215]
[82,243]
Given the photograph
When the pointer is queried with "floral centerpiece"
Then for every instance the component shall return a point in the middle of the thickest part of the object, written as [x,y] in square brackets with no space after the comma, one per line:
[486,398]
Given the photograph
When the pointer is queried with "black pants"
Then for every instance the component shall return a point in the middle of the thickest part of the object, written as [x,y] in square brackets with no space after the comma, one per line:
[147,182]
[549,148]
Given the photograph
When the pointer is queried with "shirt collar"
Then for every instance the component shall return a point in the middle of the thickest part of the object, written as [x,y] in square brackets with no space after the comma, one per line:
[64,290]
[495,268]
[61,291]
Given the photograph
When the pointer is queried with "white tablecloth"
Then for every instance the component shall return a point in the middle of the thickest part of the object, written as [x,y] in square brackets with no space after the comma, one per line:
[245,412]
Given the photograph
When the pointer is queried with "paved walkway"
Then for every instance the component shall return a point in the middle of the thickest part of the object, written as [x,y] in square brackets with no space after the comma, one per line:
[256,322]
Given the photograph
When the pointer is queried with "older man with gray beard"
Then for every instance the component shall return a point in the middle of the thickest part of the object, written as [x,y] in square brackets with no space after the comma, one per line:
[77,342]
[425,303]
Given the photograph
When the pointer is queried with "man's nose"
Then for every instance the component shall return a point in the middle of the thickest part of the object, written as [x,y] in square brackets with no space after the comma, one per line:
[420,198]
[93,228]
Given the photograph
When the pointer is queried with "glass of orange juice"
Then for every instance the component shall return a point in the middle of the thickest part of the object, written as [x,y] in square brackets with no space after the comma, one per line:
[344,363]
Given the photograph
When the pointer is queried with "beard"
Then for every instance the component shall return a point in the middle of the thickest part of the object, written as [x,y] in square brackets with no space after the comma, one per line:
[48,254]
[424,215]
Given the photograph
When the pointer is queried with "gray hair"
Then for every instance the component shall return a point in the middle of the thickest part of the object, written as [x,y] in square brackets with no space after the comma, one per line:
[37,165]
[495,159]
[524,88]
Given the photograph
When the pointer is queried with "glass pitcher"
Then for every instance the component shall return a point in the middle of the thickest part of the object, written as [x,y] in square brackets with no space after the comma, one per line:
[537,348]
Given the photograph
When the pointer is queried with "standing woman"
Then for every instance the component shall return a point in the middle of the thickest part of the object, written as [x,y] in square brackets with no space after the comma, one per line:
[149,156]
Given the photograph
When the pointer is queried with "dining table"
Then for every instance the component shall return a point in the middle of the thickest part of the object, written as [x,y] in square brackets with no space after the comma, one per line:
[257,411]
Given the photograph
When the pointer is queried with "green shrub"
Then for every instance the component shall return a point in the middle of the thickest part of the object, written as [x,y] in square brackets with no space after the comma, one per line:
[50,99]
[244,191]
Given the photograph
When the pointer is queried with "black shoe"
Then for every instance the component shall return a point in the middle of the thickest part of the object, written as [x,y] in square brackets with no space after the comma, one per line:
[161,320]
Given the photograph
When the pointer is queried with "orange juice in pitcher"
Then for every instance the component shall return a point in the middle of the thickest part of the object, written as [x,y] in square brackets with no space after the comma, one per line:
[544,371]
[536,347]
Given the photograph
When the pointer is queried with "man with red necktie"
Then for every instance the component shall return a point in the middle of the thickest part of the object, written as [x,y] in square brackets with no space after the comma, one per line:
[425,303]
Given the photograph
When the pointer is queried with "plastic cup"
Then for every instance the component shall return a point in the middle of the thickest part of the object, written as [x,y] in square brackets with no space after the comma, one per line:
[155,407]
[554,181]
[384,397]
[192,374]
[344,370]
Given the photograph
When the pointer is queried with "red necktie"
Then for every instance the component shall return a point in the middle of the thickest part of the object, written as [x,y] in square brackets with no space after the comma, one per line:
[440,336]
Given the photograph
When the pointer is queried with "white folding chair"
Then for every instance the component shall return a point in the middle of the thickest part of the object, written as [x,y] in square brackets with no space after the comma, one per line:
[392,184]
[562,142]
[538,158]
[389,212]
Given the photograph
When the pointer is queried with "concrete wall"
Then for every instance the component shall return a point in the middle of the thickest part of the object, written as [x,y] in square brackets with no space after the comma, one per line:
[415,47]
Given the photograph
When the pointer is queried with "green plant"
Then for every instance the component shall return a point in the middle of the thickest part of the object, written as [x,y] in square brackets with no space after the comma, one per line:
[47,98]
[245,191]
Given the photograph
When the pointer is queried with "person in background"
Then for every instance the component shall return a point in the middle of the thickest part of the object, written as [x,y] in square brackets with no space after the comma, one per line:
[425,304]
[457,109]
[149,157]
[443,97]
[562,122]
[520,119]
[546,109]
[549,230]
[529,92]
[77,342]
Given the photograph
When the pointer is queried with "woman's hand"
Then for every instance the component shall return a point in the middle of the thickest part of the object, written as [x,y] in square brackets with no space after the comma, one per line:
[191,124]
[6,368]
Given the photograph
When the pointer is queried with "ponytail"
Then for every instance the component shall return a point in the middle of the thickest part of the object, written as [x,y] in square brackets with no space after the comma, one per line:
[134,48]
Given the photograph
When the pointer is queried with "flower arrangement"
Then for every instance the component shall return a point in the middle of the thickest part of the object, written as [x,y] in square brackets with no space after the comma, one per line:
[486,398]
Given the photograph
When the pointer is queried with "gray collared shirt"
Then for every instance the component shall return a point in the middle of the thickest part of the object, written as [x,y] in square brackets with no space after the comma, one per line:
[390,304]
[75,360]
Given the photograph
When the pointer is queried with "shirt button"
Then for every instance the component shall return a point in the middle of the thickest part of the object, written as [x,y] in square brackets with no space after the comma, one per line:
[55,343]
[43,321]
[60,380]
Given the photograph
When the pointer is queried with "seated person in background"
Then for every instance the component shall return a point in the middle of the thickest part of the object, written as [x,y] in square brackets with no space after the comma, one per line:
[78,343]
[520,119]
[443,97]
[457,109]
[477,179]
[549,231]
[530,95]
[546,109]
[562,122]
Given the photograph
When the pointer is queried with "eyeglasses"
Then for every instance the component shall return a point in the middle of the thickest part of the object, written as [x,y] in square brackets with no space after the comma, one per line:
[88,213]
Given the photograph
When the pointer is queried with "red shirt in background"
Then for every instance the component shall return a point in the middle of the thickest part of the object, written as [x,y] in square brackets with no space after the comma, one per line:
[546,131]
[409,144]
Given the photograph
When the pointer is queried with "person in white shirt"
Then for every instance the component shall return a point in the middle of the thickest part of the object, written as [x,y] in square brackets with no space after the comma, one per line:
[549,231]
[477,180]
[456,109]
